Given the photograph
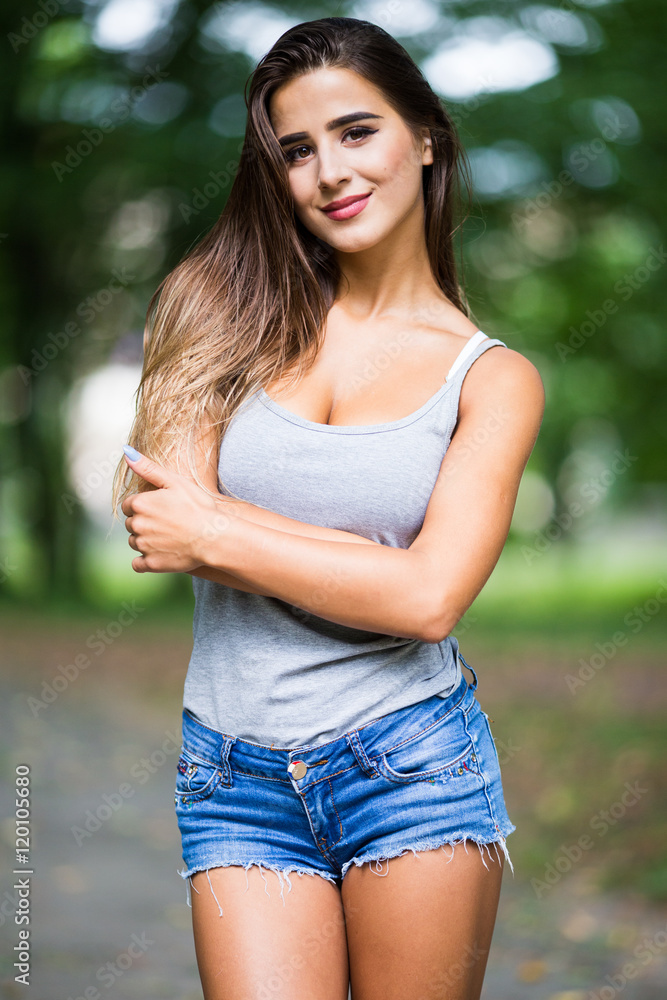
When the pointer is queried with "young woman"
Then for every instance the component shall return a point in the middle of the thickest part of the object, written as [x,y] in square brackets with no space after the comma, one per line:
[332,449]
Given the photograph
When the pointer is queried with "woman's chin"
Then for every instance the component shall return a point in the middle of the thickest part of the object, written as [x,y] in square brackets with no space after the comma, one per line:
[352,242]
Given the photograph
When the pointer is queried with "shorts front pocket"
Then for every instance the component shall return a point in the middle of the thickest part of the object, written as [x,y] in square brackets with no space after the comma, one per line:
[444,749]
[196,777]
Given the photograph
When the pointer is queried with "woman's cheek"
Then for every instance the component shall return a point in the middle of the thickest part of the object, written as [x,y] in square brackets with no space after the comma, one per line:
[402,169]
[301,204]
[302,185]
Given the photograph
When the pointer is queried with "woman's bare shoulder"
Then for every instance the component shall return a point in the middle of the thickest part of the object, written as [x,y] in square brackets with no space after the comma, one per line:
[504,375]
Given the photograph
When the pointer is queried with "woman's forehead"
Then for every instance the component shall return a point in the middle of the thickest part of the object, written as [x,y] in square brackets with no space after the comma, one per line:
[323,94]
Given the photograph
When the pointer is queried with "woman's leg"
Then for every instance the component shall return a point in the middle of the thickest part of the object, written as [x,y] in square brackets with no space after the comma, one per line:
[422,930]
[260,949]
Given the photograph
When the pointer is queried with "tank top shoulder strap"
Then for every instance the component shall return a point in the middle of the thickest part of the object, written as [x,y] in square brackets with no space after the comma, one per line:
[473,348]
[469,347]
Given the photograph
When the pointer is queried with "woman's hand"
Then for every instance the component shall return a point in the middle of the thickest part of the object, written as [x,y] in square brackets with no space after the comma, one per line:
[169,525]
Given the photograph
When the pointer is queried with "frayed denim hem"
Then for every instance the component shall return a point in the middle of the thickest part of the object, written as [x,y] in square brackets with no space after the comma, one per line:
[187,874]
[280,872]
[430,846]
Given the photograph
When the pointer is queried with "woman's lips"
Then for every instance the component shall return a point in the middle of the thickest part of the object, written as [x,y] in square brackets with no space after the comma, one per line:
[350,210]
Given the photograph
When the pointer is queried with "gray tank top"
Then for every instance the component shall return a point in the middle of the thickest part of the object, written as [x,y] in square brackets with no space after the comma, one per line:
[268,672]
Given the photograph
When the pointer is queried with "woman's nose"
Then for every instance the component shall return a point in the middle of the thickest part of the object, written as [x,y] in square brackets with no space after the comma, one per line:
[332,169]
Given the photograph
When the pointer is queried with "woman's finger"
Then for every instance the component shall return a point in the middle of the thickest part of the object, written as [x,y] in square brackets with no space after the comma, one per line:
[149,470]
[139,565]
[127,503]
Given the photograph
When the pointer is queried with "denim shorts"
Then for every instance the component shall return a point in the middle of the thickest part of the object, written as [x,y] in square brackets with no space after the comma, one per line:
[420,778]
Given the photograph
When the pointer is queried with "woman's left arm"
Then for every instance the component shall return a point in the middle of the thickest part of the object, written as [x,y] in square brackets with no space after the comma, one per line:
[420,592]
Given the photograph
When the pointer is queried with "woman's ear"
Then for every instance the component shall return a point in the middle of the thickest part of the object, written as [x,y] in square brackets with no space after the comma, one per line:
[427,150]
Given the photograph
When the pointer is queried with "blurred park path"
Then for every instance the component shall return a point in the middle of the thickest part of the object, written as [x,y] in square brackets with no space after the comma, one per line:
[105,861]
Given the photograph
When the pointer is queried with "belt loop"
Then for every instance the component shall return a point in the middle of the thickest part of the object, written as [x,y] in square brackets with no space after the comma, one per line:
[472,687]
[224,766]
[357,749]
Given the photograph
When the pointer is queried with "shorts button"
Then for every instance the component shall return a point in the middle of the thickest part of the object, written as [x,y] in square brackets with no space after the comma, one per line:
[297,769]
[472,757]
[460,770]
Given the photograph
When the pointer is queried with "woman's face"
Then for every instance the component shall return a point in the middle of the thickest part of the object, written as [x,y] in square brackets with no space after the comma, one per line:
[374,155]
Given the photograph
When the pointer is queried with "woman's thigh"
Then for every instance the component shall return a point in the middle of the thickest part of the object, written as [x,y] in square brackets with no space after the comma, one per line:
[423,931]
[267,947]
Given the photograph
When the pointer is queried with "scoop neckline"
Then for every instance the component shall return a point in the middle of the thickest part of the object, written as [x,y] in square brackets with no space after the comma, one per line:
[295,418]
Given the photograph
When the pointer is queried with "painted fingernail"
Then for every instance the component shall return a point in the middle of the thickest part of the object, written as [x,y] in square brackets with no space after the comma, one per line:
[132,453]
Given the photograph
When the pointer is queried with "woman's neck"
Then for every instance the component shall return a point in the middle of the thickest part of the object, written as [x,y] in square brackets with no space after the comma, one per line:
[392,277]
[399,289]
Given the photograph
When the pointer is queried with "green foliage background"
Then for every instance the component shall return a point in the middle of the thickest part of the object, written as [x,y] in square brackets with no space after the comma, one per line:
[545,262]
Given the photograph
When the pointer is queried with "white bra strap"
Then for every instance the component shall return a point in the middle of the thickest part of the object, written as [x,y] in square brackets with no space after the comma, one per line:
[467,350]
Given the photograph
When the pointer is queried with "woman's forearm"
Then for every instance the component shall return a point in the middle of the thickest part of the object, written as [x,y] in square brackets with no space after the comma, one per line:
[378,588]
[270,519]
[219,576]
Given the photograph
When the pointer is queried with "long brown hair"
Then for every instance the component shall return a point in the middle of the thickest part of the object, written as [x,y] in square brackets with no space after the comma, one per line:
[249,301]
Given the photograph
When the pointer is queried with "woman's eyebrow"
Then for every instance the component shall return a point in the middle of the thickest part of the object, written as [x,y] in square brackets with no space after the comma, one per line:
[354,116]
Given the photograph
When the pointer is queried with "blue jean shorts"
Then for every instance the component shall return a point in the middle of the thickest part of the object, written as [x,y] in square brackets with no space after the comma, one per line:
[423,777]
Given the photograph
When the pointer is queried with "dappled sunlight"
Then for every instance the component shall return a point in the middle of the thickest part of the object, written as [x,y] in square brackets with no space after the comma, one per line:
[488,54]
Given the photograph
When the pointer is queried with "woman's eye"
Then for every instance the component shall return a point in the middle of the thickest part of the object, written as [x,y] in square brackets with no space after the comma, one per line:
[361,131]
[291,154]
[355,134]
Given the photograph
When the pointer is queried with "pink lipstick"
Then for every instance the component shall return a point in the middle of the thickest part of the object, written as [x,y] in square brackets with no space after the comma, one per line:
[347,208]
